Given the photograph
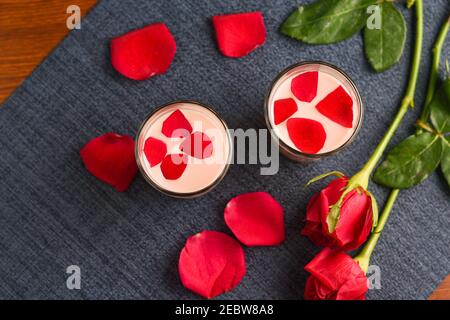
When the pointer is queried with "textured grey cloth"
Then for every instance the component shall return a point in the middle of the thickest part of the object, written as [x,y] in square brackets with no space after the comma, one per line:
[53,213]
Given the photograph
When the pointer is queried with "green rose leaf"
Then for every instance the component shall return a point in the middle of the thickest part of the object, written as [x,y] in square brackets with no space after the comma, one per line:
[445,160]
[410,162]
[384,46]
[440,108]
[326,21]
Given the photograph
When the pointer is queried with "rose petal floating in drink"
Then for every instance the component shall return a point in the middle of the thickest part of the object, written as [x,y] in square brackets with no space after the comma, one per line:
[304,86]
[143,53]
[256,219]
[307,135]
[110,158]
[211,263]
[176,125]
[338,106]
[283,109]
[197,145]
[239,34]
[155,151]
[173,166]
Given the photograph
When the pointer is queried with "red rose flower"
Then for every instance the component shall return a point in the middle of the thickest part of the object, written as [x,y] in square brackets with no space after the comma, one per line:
[352,223]
[335,276]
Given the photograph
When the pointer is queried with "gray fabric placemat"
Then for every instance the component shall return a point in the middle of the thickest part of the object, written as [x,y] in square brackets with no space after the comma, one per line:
[53,213]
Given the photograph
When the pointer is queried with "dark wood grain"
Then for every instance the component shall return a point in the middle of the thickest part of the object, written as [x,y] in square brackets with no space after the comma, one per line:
[30,29]
[443,291]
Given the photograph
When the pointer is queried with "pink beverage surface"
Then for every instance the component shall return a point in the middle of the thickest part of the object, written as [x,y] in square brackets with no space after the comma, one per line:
[199,173]
[328,80]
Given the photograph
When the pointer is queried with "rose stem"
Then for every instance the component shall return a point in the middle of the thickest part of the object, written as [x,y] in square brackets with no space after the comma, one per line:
[408,101]
[437,49]
[364,256]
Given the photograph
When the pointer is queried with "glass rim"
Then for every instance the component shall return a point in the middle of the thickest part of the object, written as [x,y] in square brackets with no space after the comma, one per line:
[285,145]
[175,194]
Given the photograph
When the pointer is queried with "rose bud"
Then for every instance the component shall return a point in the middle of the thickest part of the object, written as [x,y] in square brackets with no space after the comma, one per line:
[335,276]
[342,215]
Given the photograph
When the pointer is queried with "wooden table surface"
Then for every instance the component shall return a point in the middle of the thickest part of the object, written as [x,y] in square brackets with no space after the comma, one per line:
[30,29]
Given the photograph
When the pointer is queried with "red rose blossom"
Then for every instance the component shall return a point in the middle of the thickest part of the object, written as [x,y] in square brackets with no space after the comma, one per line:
[355,219]
[335,276]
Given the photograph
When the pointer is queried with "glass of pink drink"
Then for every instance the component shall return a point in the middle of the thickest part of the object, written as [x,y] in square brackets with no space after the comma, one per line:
[313,109]
[183,149]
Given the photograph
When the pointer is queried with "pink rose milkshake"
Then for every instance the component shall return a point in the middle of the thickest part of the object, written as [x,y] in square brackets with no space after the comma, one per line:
[314,109]
[183,149]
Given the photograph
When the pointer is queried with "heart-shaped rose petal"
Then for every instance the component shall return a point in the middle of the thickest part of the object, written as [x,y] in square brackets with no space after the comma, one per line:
[155,151]
[176,125]
[304,86]
[110,158]
[307,135]
[197,145]
[143,53]
[283,109]
[338,106]
[256,219]
[211,263]
[173,166]
[239,34]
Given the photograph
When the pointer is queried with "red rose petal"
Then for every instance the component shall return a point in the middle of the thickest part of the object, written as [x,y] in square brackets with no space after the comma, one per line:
[143,53]
[317,212]
[176,125]
[239,34]
[173,166]
[110,158]
[332,192]
[334,268]
[304,86]
[307,135]
[211,263]
[335,276]
[197,145]
[256,219]
[338,106]
[317,207]
[354,289]
[355,220]
[314,290]
[283,109]
[154,150]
